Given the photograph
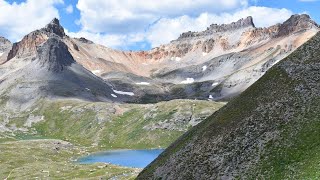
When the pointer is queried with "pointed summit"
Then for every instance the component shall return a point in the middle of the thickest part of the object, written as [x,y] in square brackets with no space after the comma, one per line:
[54,55]
[297,23]
[55,28]
[247,22]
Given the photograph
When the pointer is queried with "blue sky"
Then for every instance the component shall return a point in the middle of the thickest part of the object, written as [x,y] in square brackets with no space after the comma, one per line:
[141,25]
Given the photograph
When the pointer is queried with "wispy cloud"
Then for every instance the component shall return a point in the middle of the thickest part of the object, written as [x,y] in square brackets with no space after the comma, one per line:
[18,19]
[69,9]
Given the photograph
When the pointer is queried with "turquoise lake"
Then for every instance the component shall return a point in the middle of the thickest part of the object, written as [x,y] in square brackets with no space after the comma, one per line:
[128,158]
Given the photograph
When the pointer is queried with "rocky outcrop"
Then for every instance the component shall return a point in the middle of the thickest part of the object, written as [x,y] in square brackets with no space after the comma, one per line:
[84,40]
[296,23]
[54,27]
[54,55]
[28,45]
[4,44]
[215,28]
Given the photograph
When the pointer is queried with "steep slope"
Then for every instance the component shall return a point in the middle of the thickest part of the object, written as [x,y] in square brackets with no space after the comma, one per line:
[271,131]
[53,73]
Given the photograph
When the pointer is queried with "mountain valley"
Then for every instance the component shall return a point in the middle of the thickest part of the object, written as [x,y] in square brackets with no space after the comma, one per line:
[232,89]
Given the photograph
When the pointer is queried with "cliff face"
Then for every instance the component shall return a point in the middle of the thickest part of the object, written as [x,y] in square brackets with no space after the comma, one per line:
[268,132]
[54,55]
[4,44]
[27,46]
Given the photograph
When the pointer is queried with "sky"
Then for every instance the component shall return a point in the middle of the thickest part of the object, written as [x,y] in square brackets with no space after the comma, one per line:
[142,24]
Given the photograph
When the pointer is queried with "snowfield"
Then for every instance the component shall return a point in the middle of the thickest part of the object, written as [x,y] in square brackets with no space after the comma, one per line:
[96,71]
[204,68]
[123,93]
[143,83]
[215,84]
[188,81]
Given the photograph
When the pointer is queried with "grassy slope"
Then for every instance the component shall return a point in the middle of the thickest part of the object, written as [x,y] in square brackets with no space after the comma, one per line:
[90,126]
[44,159]
[120,127]
[272,104]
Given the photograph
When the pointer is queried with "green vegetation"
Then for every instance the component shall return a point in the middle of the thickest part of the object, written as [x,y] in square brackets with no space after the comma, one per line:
[30,152]
[52,159]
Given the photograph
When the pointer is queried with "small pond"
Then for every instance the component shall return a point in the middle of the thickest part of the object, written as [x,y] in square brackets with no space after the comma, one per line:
[128,158]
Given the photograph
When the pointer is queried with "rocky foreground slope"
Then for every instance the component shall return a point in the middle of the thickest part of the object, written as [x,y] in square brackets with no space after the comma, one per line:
[271,131]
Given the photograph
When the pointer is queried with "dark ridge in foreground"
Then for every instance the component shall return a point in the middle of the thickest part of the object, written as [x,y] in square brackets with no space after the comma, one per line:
[271,131]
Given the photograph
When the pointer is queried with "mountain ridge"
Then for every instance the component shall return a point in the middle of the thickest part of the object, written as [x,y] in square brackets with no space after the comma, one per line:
[220,65]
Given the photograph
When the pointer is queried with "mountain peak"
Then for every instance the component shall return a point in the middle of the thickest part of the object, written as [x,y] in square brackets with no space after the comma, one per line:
[55,28]
[241,23]
[296,23]
[217,28]
[54,55]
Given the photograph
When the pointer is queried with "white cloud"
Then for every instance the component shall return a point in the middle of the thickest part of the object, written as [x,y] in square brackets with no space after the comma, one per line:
[119,41]
[168,29]
[18,19]
[115,22]
[69,9]
[127,16]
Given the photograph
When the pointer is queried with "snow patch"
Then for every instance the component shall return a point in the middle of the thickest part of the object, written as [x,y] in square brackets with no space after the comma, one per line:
[176,59]
[204,54]
[214,84]
[188,81]
[87,89]
[113,95]
[1,54]
[204,68]
[143,83]
[123,93]
[210,97]
[96,71]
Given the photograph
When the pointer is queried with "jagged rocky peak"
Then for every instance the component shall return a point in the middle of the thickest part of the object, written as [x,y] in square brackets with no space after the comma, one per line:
[53,54]
[4,41]
[297,23]
[55,28]
[215,28]
[4,44]
[242,23]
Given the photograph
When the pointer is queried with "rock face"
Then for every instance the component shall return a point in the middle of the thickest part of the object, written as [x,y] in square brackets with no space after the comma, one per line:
[215,28]
[269,132]
[26,48]
[4,44]
[54,27]
[54,55]
[295,24]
